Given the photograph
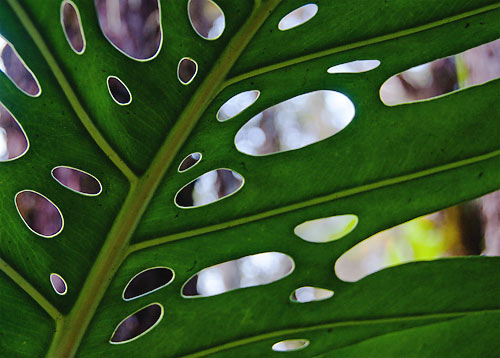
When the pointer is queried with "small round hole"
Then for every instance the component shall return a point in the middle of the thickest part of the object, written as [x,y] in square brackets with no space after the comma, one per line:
[187,70]
[118,91]
[190,161]
[58,284]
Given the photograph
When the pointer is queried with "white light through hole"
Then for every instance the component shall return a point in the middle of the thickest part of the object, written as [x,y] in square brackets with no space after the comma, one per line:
[310,294]
[203,189]
[326,229]
[298,17]
[295,123]
[237,104]
[4,154]
[290,345]
[248,271]
[355,66]
[2,45]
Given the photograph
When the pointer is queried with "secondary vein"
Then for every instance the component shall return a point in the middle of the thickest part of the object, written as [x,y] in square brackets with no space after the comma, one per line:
[68,338]
[337,324]
[30,290]
[358,44]
[70,93]
[315,201]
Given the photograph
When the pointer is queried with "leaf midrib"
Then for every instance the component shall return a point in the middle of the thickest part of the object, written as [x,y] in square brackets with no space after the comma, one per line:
[142,189]
[71,329]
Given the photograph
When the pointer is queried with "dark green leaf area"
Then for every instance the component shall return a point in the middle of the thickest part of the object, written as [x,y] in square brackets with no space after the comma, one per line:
[137,130]
[25,329]
[56,138]
[398,299]
[389,165]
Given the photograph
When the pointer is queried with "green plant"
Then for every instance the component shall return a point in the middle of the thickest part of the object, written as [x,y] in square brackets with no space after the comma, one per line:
[389,165]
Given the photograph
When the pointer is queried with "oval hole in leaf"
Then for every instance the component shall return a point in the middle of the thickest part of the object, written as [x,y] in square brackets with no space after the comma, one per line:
[295,123]
[118,91]
[421,239]
[72,26]
[237,104]
[77,180]
[442,76]
[137,324]
[207,18]
[190,161]
[13,140]
[17,71]
[148,281]
[249,271]
[132,27]
[186,70]
[326,229]
[290,345]
[309,294]
[58,284]
[210,187]
[298,16]
[39,213]
[355,66]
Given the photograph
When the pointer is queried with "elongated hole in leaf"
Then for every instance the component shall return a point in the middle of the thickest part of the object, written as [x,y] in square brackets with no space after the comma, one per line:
[77,180]
[237,104]
[16,70]
[248,271]
[309,294]
[210,187]
[190,161]
[147,281]
[72,26]
[207,18]
[355,66]
[290,345]
[442,76]
[298,16]
[326,229]
[186,70]
[58,284]
[421,239]
[295,123]
[118,91]
[132,27]
[137,324]
[39,214]
[13,140]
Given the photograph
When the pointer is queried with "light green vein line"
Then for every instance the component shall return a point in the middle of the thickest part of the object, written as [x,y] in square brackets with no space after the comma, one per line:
[359,44]
[315,201]
[69,92]
[66,340]
[30,290]
[338,324]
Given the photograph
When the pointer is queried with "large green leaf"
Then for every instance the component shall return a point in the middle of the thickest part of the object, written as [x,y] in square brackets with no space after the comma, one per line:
[389,165]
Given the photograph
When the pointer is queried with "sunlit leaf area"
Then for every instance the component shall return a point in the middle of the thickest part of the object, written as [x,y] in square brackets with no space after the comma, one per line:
[249,179]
